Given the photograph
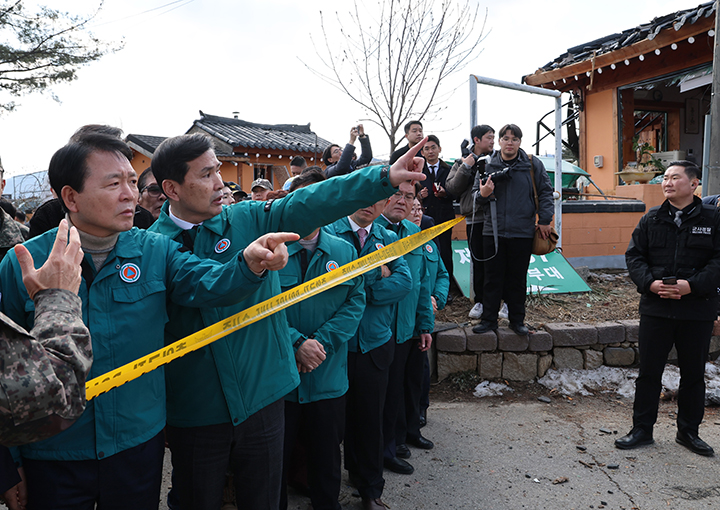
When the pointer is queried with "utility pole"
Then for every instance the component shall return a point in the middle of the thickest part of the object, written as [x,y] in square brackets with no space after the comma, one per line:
[713,165]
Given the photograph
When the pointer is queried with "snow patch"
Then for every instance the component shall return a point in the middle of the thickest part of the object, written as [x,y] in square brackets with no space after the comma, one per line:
[491,389]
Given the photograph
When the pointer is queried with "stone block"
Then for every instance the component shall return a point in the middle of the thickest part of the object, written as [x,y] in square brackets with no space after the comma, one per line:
[714,347]
[619,357]
[508,340]
[632,326]
[593,359]
[490,365]
[610,332]
[570,334]
[482,342]
[450,363]
[540,341]
[716,328]
[519,367]
[451,341]
[544,363]
[567,357]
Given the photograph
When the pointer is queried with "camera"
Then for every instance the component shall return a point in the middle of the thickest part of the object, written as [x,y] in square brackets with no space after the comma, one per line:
[499,176]
[466,147]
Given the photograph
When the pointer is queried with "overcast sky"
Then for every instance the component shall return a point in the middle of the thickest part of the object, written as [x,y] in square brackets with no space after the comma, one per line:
[221,56]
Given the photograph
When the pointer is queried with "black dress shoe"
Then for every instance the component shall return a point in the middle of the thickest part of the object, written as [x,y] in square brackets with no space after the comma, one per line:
[484,327]
[693,443]
[402,451]
[423,417]
[398,466]
[636,437]
[519,328]
[420,442]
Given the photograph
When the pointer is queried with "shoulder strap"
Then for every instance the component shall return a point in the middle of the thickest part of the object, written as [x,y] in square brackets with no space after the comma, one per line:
[532,177]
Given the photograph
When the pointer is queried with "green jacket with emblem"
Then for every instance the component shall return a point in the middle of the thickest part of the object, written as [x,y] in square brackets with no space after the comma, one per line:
[331,318]
[125,311]
[415,309]
[236,376]
[381,294]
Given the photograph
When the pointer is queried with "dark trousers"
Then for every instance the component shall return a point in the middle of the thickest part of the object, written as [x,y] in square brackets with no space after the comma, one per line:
[444,243]
[475,244]
[319,426]
[402,404]
[506,278]
[9,476]
[252,451]
[129,479]
[656,337]
[368,377]
[425,389]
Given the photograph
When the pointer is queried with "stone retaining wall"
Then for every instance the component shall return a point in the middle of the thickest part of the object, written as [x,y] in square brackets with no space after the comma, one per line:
[503,354]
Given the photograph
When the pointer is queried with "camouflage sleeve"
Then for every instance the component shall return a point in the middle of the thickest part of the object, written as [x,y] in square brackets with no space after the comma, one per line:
[42,387]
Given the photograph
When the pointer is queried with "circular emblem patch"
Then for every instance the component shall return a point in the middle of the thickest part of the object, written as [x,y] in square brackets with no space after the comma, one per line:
[222,245]
[428,248]
[331,266]
[129,273]
[379,246]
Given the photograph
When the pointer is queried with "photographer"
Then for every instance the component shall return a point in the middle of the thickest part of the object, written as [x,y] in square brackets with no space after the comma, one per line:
[340,161]
[459,183]
[508,183]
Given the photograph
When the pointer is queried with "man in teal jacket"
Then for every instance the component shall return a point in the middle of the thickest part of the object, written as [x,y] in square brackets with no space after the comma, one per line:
[320,328]
[370,354]
[112,456]
[415,310]
[439,283]
[225,404]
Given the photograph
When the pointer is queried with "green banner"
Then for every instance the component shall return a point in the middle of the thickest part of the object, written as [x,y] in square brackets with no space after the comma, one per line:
[547,274]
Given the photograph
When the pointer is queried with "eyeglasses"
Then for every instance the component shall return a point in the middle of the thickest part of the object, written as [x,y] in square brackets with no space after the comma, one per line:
[153,190]
[407,197]
[514,139]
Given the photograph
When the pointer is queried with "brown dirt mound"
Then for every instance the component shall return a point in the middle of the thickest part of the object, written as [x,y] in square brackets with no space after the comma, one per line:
[613,296]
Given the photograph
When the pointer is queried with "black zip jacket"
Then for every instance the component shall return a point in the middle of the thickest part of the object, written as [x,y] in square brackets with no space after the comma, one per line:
[690,252]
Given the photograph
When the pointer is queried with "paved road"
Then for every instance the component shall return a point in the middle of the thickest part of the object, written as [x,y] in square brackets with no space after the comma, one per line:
[504,454]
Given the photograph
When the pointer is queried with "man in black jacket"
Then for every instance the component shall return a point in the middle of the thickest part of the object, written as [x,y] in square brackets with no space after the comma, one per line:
[438,203]
[510,187]
[413,134]
[674,259]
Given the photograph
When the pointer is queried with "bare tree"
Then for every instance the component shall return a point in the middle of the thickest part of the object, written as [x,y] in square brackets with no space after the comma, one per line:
[393,65]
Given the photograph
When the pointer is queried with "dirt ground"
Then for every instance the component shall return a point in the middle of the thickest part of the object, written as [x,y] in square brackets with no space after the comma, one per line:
[613,296]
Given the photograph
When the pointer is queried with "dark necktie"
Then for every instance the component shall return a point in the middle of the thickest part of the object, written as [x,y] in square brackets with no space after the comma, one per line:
[188,238]
[433,169]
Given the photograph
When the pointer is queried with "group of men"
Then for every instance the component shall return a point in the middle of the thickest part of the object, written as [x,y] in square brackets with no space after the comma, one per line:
[220,408]
[346,365]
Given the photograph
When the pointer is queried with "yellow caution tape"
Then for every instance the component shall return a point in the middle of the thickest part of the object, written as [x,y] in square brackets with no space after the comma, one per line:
[208,335]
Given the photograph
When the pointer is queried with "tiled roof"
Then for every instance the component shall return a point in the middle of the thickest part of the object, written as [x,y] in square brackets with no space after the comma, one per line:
[647,31]
[240,133]
[149,143]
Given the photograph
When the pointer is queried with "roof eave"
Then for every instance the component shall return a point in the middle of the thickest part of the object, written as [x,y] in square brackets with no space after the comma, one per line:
[664,38]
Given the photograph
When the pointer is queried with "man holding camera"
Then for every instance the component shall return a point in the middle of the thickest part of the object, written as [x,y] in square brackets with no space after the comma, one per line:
[507,196]
[674,259]
[460,183]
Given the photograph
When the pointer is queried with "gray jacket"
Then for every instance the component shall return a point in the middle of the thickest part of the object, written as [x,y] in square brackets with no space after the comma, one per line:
[459,183]
[516,213]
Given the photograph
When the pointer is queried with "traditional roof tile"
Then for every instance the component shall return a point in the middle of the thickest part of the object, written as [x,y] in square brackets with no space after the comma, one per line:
[634,35]
[249,135]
